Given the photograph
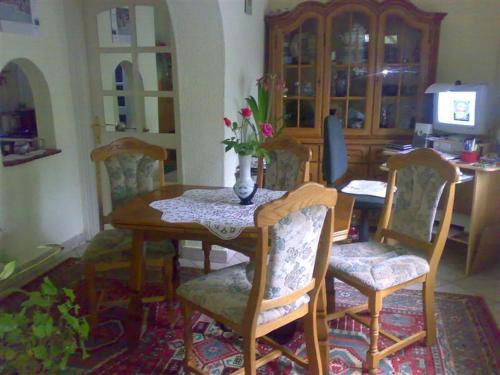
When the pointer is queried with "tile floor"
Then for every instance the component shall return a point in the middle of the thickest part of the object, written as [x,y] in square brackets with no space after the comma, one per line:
[450,278]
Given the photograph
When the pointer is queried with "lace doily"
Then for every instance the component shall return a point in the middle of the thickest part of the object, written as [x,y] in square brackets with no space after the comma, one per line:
[217,210]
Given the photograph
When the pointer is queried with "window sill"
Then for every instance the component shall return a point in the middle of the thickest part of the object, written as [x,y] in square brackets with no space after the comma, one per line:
[13,160]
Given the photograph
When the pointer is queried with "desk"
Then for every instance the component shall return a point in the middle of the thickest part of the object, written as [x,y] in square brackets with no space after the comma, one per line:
[145,222]
[477,195]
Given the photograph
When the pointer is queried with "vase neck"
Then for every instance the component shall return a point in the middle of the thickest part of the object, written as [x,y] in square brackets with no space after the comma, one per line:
[245,162]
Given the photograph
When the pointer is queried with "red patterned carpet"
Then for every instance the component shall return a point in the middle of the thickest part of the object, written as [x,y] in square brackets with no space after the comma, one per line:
[468,338]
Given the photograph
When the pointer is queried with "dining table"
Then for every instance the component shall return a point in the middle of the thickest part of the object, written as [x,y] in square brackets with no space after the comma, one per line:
[163,214]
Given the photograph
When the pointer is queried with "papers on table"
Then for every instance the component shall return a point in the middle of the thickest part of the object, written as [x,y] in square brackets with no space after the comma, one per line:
[366,187]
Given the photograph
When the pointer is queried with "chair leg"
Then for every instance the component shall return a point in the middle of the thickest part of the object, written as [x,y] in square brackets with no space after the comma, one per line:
[330,294]
[374,305]
[249,350]
[188,337]
[312,344]
[430,319]
[90,275]
[207,248]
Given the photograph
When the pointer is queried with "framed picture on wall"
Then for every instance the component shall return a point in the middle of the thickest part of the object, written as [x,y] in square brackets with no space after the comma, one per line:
[19,17]
[120,26]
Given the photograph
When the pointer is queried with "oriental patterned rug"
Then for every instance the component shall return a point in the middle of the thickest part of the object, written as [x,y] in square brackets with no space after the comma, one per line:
[468,337]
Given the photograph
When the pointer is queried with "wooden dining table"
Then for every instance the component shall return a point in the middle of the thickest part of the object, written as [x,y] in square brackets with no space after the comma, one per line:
[146,223]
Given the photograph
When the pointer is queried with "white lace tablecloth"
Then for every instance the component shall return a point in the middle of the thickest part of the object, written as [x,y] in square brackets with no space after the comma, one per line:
[218,210]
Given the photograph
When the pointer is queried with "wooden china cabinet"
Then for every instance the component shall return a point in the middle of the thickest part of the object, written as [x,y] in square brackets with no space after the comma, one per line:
[367,61]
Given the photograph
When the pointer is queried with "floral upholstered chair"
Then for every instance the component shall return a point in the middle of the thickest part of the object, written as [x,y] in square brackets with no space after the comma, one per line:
[283,286]
[404,251]
[288,169]
[288,166]
[132,167]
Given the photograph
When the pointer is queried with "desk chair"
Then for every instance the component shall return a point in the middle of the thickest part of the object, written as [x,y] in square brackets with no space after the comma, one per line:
[335,166]
[295,235]
[404,252]
[130,164]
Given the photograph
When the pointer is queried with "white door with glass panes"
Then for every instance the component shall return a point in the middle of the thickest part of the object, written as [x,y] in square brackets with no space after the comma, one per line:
[133,74]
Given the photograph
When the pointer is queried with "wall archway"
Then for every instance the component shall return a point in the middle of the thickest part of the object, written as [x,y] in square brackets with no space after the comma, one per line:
[41,100]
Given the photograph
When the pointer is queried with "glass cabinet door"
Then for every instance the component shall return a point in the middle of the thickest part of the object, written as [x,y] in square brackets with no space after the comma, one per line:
[349,66]
[300,61]
[400,81]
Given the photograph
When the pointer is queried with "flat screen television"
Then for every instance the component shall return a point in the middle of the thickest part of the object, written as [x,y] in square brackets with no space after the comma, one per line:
[461,109]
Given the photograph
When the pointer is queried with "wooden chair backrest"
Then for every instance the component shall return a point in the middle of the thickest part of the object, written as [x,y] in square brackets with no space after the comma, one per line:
[449,174]
[289,144]
[127,145]
[266,216]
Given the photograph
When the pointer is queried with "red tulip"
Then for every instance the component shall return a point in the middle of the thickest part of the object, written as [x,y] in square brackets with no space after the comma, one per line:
[246,112]
[227,122]
[267,129]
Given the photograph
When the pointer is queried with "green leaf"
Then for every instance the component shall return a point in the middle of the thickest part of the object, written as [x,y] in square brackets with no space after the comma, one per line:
[9,354]
[39,331]
[36,299]
[84,328]
[40,352]
[48,288]
[70,294]
[252,103]
[47,364]
[7,323]
[8,270]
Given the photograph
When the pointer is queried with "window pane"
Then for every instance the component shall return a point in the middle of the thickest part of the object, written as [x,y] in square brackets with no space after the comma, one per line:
[155,70]
[158,115]
[113,27]
[116,71]
[152,26]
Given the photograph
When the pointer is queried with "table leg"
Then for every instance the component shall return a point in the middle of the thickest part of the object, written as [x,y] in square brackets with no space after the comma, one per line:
[135,311]
[324,348]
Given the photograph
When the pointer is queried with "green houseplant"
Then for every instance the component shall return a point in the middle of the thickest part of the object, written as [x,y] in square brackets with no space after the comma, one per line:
[43,333]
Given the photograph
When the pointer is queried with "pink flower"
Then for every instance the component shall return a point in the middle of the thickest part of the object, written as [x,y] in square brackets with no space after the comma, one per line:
[227,122]
[246,112]
[267,129]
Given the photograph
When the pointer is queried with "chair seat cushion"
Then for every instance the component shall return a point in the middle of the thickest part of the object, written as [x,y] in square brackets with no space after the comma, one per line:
[226,292]
[114,245]
[377,266]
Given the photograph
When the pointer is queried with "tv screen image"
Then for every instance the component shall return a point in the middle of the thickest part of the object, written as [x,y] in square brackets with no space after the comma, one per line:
[457,108]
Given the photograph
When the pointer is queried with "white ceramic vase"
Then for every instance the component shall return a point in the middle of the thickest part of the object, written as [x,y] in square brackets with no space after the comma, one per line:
[245,188]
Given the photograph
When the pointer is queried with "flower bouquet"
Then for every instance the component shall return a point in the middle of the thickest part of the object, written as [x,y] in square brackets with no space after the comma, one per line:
[248,137]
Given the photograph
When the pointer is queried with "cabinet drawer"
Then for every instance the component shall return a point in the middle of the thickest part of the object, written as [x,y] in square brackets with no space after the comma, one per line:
[357,154]
[377,155]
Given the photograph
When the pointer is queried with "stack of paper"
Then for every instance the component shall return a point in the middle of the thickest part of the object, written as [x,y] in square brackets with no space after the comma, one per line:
[366,187]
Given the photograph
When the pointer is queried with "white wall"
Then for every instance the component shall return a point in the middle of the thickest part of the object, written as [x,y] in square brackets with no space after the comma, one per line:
[197,29]
[244,40]
[40,201]
[469,47]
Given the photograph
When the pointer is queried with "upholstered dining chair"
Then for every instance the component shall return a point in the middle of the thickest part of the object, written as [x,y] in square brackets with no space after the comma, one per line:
[131,166]
[280,286]
[404,251]
[288,168]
